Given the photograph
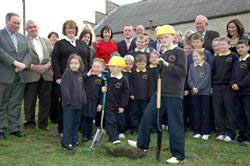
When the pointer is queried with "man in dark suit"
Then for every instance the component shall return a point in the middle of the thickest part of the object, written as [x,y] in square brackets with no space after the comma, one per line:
[38,79]
[15,57]
[201,23]
[128,43]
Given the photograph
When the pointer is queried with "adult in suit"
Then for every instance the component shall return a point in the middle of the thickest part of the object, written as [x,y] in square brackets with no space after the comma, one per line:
[201,23]
[38,79]
[128,43]
[15,57]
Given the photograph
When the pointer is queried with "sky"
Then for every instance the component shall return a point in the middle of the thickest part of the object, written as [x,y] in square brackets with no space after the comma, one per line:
[51,14]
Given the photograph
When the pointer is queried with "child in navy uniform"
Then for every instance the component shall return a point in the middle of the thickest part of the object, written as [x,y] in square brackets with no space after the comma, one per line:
[222,91]
[241,89]
[117,99]
[93,84]
[199,80]
[153,72]
[173,79]
[131,115]
[140,83]
[73,98]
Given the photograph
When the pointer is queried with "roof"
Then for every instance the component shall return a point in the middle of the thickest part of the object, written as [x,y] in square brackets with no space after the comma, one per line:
[158,12]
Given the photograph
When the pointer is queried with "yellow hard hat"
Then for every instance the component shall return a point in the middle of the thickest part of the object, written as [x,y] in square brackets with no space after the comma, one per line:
[117,61]
[166,29]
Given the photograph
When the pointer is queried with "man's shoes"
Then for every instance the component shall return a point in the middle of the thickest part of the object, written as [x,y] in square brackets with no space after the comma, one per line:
[173,160]
[2,136]
[18,134]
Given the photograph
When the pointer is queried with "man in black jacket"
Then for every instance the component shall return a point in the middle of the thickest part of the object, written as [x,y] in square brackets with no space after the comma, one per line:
[128,43]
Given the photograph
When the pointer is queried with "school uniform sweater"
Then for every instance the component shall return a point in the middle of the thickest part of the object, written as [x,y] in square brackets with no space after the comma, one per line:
[135,52]
[173,76]
[222,69]
[208,58]
[72,90]
[140,83]
[241,76]
[128,75]
[93,85]
[153,76]
[200,77]
[117,93]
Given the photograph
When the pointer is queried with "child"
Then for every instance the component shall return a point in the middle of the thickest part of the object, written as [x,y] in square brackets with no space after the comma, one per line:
[173,79]
[215,45]
[197,42]
[222,91]
[117,99]
[199,80]
[241,89]
[131,115]
[187,99]
[148,40]
[93,84]
[140,46]
[73,98]
[140,83]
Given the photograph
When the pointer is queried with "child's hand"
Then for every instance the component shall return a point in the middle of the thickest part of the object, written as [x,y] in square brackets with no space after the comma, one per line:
[186,93]
[89,73]
[195,90]
[104,89]
[99,108]
[120,110]
[58,81]
[235,87]
[164,62]
[132,97]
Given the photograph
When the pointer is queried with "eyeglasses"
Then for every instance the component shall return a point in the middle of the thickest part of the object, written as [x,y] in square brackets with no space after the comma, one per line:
[30,27]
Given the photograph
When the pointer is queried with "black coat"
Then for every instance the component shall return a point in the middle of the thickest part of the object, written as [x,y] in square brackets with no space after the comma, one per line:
[122,47]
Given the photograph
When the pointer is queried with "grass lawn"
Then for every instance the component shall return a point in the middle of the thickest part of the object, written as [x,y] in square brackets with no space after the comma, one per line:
[41,148]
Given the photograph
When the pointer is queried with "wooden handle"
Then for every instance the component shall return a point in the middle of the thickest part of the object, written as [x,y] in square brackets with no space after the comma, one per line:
[158,104]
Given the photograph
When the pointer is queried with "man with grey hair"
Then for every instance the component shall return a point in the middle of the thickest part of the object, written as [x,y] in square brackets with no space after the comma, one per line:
[201,23]
[38,79]
[139,29]
[15,57]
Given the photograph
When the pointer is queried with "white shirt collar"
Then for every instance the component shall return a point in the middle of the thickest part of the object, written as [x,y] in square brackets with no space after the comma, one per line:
[117,76]
[70,41]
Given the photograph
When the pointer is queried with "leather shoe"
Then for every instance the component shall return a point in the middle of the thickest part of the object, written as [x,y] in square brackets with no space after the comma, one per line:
[18,134]
[2,136]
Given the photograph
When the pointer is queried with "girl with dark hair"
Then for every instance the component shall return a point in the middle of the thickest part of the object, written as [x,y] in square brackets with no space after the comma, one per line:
[105,47]
[86,36]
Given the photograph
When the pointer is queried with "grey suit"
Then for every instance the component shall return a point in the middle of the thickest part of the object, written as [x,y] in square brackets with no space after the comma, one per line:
[12,83]
[38,85]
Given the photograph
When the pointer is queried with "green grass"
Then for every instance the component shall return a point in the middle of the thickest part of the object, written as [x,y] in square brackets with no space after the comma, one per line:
[41,148]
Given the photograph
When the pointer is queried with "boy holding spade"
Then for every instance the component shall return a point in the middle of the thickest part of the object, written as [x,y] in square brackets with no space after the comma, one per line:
[173,78]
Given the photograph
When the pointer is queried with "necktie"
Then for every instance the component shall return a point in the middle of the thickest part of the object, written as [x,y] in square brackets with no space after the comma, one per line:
[14,40]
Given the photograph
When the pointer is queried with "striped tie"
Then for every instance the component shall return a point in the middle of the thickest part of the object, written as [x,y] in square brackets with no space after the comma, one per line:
[14,40]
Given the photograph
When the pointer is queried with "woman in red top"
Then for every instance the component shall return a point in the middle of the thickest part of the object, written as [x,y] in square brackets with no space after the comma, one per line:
[105,47]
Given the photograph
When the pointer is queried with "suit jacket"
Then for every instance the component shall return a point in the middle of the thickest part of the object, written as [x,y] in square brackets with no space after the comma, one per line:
[8,55]
[122,47]
[32,76]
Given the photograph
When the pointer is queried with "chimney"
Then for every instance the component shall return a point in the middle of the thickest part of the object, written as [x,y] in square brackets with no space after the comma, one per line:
[110,6]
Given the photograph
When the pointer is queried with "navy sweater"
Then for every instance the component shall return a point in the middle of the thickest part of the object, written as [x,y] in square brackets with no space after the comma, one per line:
[93,85]
[153,75]
[140,83]
[72,90]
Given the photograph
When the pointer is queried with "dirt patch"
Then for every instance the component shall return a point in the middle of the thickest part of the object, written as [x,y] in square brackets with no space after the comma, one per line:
[130,153]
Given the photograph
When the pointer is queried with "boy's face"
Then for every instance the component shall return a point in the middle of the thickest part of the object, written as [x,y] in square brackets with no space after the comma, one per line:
[154,59]
[224,46]
[74,64]
[242,49]
[167,40]
[140,44]
[146,40]
[215,46]
[188,49]
[197,58]
[129,65]
[97,67]
[141,65]
[197,44]
[115,70]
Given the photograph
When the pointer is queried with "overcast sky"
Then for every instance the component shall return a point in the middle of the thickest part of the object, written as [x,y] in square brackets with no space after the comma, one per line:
[50,14]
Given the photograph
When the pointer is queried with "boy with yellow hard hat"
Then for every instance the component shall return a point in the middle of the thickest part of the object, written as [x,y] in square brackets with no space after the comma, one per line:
[173,79]
[117,99]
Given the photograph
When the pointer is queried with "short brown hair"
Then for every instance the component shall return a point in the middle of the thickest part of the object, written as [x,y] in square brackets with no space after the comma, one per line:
[154,52]
[140,37]
[98,60]
[141,58]
[200,52]
[71,24]
[216,39]
[75,56]
[197,36]
[226,39]
[148,34]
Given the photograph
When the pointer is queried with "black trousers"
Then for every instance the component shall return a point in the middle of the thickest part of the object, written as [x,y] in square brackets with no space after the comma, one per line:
[139,106]
[114,123]
[224,110]
[187,109]
[201,114]
[131,117]
[55,103]
[42,90]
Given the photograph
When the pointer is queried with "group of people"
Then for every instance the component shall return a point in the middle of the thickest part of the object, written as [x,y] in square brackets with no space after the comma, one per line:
[205,82]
